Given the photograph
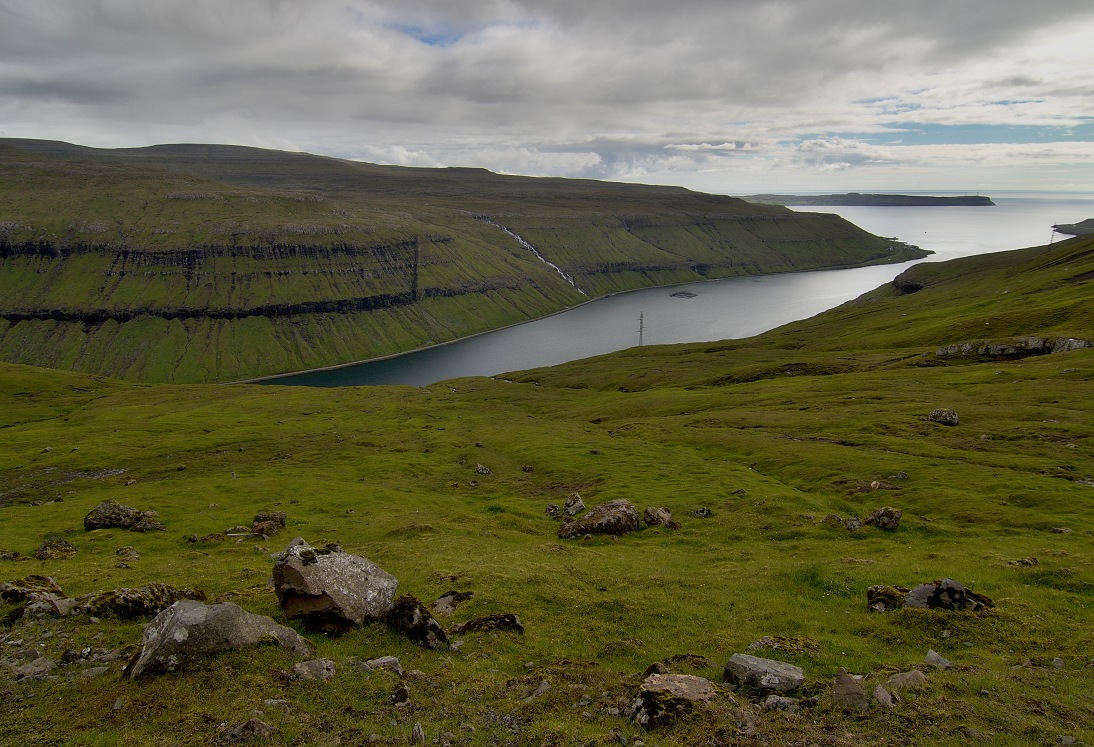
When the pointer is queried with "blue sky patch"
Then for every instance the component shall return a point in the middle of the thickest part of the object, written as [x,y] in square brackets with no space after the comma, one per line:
[912,133]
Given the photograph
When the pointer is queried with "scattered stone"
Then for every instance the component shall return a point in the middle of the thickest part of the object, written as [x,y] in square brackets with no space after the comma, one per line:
[659,517]
[886,518]
[946,594]
[527,468]
[410,617]
[506,622]
[553,510]
[943,416]
[129,604]
[127,553]
[187,630]
[847,693]
[447,603]
[35,670]
[1060,530]
[969,733]
[316,669]
[1022,563]
[386,662]
[574,505]
[663,698]
[615,518]
[743,670]
[912,680]
[853,524]
[28,588]
[1058,663]
[250,730]
[702,513]
[482,470]
[883,698]
[112,515]
[329,589]
[47,604]
[400,696]
[834,520]
[539,692]
[9,555]
[935,659]
[417,734]
[781,703]
[55,549]
[882,598]
[148,524]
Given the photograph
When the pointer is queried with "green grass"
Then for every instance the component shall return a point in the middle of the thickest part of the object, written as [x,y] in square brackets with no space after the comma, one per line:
[770,434]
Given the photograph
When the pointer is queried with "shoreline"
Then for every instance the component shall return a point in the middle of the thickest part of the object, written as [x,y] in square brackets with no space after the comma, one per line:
[270,380]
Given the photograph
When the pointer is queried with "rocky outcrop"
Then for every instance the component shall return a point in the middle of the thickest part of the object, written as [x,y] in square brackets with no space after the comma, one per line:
[55,548]
[945,594]
[886,518]
[1018,347]
[943,416]
[753,672]
[329,589]
[28,588]
[189,630]
[659,517]
[112,515]
[129,604]
[616,518]
[663,698]
[268,523]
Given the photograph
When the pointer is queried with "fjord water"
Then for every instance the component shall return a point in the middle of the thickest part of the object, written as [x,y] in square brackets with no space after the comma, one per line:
[721,309]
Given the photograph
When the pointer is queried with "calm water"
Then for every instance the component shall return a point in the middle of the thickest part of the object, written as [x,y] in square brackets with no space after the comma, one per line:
[722,309]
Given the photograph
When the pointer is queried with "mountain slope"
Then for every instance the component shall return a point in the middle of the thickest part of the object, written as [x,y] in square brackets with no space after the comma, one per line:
[214,263]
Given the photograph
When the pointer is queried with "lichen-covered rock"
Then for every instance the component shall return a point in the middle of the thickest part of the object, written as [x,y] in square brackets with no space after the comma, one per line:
[943,416]
[574,505]
[112,515]
[946,594]
[189,630]
[9,555]
[410,617]
[277,517]
[142,601]
[507,621]
[28,588]
[663,698]
[55,549]
[743,670]
[658,517]
[882,598]
[886,518]
[329,589]
[616,518]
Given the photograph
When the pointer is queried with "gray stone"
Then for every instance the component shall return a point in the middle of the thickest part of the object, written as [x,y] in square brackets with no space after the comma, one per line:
[386,662]
[946,594]
[539,692]
[27,589]
[853,524]
[912,680]
[743,670]
[112,515]
[188,630]
[447,603]
[943,417]
[249,730]
[886,518]
[55,548]
[935,659]
[417,734]
[663,698]
[788,706]
[482,469]
[316,669]
[657,517]
[615,518]
[330,589]
[883,698]
[35,670]
[847,693]
[574,505]
[410,617]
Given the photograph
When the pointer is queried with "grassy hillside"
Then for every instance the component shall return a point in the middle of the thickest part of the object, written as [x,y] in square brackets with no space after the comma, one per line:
[218,263]
[770,434]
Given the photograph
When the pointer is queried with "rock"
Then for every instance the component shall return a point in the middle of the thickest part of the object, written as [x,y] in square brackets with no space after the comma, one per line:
[55,549]
[274,520]
[508,622]
[127,553]
[447,603]
[148,524]
[553,510]
[833,520]
[616,518]
[663,698]
[539,692]
[1060,530]
[943,416]
[330,589]
[847,693]
[417,734]
[743,670]
[912,680]
[28,588]
[885,518]
[129,604]
[9,555]
[249,730]
[1058,663]
[410,617]
[883,698]
[265,528]
[882,598]
[400,696]
[188,630]
[853,524]
[946,594]
[658,517]
[386,662]
[35,670]
[574,505]
[52,605]
[788,706]
[702,513]
[482,470]
[316,669]
[527,468]
[112,515]
[936,659]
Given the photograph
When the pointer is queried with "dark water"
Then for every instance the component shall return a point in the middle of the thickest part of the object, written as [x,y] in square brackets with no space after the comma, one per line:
[722,309]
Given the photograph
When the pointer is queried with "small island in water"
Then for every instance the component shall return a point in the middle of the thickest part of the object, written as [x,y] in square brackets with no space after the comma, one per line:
[872,200]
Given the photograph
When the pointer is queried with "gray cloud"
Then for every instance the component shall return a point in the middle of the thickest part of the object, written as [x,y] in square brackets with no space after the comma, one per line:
[613,89]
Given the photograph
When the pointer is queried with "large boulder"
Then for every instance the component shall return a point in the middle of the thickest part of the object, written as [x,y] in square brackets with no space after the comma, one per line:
[112,515]
[616,517]
[663,698]
[188,630]
[946,594]
[329,589]
[753,672]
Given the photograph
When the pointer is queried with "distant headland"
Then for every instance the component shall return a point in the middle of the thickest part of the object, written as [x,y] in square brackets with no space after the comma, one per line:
[855,198]
[1083,228]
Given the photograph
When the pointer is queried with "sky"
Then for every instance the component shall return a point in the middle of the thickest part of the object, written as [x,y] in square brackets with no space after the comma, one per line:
[724,96]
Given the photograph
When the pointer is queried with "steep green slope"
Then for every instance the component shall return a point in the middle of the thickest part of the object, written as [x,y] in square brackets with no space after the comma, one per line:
[214,263]
[769,435]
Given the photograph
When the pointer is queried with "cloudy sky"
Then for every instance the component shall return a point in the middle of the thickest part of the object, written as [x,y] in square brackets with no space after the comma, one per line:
[729,96]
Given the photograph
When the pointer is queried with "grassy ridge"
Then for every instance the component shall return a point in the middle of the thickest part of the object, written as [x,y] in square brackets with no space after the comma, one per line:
[770,434]
[189,246]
